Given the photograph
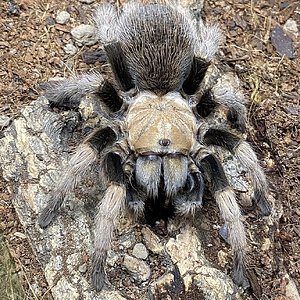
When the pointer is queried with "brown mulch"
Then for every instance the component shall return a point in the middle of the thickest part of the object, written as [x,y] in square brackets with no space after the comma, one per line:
[31,51]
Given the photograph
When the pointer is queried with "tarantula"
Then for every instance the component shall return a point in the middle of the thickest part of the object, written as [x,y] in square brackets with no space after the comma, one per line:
[156,149]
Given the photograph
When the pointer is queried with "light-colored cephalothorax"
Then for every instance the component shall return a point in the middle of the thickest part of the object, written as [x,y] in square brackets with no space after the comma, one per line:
[157,149]
[161,124]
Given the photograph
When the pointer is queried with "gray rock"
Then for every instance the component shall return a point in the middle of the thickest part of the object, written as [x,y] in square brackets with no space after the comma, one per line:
[187,253]
[138,269]
[87,1]
[4,121]
[33,151]
[62,17]
[140,251]
[70,49]
[84,35]
[152,241]
[291,28]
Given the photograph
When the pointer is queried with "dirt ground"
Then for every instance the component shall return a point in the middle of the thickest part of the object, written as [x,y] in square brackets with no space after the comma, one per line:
[31,51]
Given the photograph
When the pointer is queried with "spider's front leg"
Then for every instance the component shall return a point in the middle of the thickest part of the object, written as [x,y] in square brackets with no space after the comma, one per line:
[230,212]
[85,156]
[248,160]
[69,92]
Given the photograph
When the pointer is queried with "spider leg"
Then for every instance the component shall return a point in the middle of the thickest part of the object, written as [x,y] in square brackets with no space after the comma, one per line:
[188,200]
[245,154]
[224,94]
[85,156]
[230,213]
[69,92]
[109,211]
[207,40]
[107,22]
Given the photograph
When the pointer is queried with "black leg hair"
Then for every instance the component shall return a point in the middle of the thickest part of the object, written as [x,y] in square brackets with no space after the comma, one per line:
[110,97]
[84,157]
[188,200]
[69,92]
[206,104]
[197,73]
[247,158]
[119,66]
[230,213]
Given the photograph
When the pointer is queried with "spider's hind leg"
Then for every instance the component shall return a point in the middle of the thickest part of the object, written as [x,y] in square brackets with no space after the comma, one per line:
[85,156]
[230,213]
[248,160]
[109,211]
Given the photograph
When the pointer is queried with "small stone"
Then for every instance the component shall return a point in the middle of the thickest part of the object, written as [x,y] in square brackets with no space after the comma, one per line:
[87,1]
[70,49]
[84,35]
[140,251]
[4,121]
[138,269]
[282,42]
[266,244]
[291,27]
[20,235]
[291,290]
[152,241]
[83,268]
[163,282]
[62,17]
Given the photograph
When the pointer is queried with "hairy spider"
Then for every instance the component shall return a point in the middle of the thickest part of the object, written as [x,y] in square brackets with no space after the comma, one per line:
[158,149]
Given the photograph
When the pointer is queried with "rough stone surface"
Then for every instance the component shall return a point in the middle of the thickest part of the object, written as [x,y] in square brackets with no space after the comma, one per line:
[139,270]
[33,151]
[152,241]
[84,35]
[186,252]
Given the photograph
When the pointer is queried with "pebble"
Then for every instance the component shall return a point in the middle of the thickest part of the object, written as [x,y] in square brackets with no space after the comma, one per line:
[4,121]
[83,268]
[62,17]
[140,251]
[87,1]
[84,35]
[152,241]
[291,27]
[138,269]
[70,49]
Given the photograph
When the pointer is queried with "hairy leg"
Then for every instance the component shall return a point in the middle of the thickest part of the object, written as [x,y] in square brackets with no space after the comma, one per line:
[225,94]
[188,200]
[247,158]
[85,156]
[230,213]
[207,40]
[109,211]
